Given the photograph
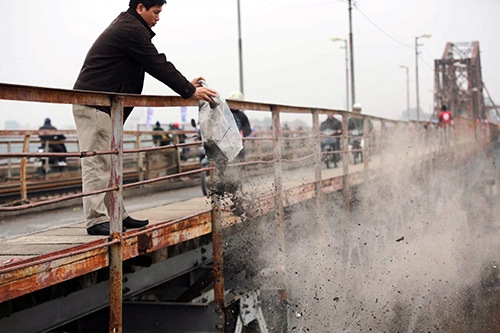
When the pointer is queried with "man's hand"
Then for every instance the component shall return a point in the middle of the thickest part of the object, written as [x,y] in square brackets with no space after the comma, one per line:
[196,81]
[205,94]
[201,92]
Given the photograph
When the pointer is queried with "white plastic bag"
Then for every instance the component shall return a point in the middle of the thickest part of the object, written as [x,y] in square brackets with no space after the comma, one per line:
[218,128]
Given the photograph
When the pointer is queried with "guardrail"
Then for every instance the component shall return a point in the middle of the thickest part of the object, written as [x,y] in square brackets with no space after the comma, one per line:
[279,148]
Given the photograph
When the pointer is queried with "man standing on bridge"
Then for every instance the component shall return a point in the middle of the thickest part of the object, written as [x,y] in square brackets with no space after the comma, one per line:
[117,62]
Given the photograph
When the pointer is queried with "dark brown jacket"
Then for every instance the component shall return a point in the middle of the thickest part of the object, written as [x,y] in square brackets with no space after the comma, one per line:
[121,55]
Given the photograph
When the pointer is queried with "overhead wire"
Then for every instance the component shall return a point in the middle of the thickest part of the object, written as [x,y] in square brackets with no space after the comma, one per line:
[355,6]
[301,5]
[391,37]
[425,62]
[379,28]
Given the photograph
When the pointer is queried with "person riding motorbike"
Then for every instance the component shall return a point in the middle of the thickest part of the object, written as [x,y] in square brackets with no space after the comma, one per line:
[356,126]
[55,144]
[332,128]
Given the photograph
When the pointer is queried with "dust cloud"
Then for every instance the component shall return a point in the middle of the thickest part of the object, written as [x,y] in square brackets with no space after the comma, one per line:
[417,252]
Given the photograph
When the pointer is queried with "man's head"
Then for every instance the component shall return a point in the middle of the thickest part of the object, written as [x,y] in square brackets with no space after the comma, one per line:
[330,115]
[356,108]
[444,107]
[149,10]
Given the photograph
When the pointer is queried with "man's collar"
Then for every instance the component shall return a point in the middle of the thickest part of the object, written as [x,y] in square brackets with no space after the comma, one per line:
[137,16]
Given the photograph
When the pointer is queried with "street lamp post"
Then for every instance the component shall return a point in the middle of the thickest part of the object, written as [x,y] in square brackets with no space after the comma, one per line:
[351,52]
[416,71]
[407,90]
[336,39]
[240,49]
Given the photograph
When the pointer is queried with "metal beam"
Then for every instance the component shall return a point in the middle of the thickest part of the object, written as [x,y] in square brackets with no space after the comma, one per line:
[62,310]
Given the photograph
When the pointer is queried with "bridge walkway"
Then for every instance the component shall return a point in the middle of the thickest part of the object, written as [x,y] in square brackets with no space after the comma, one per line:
[67,237]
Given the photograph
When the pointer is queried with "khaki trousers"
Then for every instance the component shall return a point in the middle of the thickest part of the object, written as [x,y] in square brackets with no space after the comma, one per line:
[94,134]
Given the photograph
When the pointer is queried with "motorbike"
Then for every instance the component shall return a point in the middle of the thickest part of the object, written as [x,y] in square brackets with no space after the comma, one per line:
[48,164]
[356,143]
[330,146]
[204,162]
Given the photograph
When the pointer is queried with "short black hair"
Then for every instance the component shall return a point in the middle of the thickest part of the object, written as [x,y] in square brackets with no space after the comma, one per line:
[146,3]
[444,107]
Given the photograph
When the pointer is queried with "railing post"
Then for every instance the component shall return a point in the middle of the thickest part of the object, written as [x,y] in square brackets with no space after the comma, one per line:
[218,263]
[46,160]
[345,166]
[22,170]
[318,177]
[140,159]
[278,195]
[259,152]
[116,214]
[9,162]
[382,142]
[366,147]
[178,152]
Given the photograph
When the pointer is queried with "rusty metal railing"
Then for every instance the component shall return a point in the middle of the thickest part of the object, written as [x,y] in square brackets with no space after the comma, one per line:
[428,138]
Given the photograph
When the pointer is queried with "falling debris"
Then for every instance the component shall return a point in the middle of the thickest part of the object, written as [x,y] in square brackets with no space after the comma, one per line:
[227,184]
[400,239]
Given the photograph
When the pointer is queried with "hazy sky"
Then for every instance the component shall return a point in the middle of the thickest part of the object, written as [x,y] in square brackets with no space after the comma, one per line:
[288,57]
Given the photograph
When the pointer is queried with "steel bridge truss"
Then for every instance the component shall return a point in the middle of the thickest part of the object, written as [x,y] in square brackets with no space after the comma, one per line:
[458,83]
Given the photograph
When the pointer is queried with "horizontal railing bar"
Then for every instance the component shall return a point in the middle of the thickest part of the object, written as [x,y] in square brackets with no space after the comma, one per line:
[15,92]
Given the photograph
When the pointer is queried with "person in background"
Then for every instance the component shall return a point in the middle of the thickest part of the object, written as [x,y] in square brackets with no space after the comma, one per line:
[182,139]
[117,63]
[358,123]
[445,118]
[285,132]
[160,139]
[56,143]
[332,127]
[356,127]
[445,121]
[241,120]
[300,132]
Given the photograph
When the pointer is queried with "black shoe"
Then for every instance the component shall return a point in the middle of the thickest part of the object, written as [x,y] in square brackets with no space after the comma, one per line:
[101,229]
[132,223]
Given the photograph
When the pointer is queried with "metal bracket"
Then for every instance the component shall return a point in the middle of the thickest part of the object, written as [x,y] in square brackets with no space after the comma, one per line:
[250,310]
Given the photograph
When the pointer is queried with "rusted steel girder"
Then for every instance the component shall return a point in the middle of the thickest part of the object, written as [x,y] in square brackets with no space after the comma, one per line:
[346,192]
[22,171]
[15,92]
[50,95]
[318,191]
[116,218]
[278,179]
[29,275]
[218,263]
[458,81]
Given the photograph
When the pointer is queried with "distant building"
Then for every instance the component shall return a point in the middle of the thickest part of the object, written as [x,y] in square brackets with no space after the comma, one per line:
[11,125]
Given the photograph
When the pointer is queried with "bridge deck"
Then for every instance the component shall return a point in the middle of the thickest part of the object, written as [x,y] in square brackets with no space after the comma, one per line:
[62,238]
[53,257]
[43,259]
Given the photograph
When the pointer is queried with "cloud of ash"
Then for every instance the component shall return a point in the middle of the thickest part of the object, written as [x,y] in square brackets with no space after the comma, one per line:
[417,253]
